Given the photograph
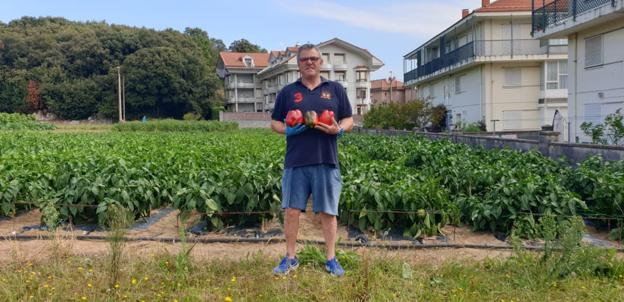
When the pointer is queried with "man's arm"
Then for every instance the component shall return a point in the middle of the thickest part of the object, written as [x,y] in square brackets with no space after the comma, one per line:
[278,127]
[346,123]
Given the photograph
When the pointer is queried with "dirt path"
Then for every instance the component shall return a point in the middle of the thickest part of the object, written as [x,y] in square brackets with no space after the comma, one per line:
[166,226]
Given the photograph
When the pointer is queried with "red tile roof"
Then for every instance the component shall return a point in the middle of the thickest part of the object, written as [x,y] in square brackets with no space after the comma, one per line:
[235,59]
[383,84]
[292,48]
[511,6]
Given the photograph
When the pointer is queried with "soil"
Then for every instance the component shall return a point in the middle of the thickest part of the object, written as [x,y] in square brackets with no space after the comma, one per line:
[64,240]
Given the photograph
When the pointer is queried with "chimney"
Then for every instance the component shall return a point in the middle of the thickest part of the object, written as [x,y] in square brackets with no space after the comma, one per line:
[465,12]
[485,3]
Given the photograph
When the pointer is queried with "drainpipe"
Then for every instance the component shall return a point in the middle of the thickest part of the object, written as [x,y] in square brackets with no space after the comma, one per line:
[574,93]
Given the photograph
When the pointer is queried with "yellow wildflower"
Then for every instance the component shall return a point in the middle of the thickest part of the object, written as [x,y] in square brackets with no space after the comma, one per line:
[228,299]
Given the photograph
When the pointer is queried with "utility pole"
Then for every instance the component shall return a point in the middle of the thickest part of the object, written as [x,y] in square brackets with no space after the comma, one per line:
[119,93]
[391,79]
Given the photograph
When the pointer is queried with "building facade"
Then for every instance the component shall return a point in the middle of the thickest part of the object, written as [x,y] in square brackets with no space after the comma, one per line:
[343,62]
[243,90]
[487,67]
[595,31]
[384,92]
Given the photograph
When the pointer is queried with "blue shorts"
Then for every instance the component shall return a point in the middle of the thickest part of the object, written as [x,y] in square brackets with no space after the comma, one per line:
[322,181]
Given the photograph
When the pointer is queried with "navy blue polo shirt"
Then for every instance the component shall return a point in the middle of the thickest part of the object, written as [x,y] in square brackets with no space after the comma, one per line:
[313,146]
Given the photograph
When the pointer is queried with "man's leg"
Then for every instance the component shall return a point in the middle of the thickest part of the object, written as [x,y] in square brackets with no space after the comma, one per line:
[330,228]
[291,228]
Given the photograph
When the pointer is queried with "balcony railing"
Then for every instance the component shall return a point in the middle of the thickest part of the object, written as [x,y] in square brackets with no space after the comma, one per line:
[485,48]
[559,10]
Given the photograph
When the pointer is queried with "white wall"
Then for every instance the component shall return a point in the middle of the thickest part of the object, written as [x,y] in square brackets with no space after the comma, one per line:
[516,106]
[596,91]
[352,60]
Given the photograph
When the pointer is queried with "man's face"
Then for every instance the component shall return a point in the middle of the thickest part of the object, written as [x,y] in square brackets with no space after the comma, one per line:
[310,62]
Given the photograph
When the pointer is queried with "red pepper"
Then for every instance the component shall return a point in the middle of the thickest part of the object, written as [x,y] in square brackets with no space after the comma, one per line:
[327,118]
[294,118]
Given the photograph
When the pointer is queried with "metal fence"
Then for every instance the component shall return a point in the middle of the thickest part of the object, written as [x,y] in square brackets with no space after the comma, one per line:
[559,10]
[481,48]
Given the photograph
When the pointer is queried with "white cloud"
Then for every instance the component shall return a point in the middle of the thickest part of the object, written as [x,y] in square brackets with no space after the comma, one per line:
[418,19]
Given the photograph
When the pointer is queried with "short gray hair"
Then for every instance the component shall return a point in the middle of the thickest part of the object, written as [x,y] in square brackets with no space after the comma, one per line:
[307,46]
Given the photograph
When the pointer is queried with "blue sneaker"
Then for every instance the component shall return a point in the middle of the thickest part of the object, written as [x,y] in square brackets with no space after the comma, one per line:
[334,268]
[285,266]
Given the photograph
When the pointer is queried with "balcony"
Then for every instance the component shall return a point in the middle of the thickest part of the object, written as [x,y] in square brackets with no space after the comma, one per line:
[327,67]
[361,84]
[341,66]
[560,12]
[485,50]
[244,100]
[553,94]
[243,85]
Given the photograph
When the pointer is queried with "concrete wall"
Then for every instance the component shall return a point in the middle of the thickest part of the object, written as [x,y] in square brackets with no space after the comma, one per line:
[596,91]
[260,119]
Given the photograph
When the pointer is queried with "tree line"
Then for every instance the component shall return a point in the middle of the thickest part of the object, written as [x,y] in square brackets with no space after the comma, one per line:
[69,69]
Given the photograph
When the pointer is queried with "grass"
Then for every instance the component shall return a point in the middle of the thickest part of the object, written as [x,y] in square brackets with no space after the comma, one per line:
[518,278]
[70,128]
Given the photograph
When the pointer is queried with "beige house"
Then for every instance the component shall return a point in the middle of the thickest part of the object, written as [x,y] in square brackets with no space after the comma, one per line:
[385,91]
[595,31]
[343,62]
[487,67]
[243,91]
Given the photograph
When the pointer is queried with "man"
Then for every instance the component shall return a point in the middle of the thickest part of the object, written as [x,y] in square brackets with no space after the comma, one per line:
[311,163]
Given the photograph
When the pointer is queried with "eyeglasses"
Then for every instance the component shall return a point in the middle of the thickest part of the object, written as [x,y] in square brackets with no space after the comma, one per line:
[311,59]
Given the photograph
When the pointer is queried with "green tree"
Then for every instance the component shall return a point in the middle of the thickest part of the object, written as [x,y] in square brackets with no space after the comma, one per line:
[243,45]
[163,81]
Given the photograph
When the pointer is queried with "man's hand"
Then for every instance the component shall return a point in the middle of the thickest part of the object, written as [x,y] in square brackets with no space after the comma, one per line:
[290,131]
[334,129]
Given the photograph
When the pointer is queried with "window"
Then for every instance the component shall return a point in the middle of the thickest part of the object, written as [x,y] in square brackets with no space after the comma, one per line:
[593,113]
[552,81]
[458,89]
[325,57]
[361,76]
[431,92]
[360,93]
[556,74]
[593,51]
[558,42]
[341,76]
[339,58]
[563,74]
[248,61]
[513,77]
[325,74]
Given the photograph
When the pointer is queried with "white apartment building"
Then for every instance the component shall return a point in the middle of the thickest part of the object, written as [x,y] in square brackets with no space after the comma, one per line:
[243,92]
[343,62]
[487,67]
[595,31]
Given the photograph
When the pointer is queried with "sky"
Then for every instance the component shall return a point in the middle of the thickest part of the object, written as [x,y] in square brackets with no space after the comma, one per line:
[388,29]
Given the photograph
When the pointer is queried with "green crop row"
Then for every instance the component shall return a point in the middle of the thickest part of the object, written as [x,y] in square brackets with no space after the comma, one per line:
[170,125]
[74,177]
[403,184]
[18,121]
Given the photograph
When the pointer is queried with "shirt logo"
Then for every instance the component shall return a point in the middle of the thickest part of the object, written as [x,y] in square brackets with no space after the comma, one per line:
[326,95]
[298,97]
